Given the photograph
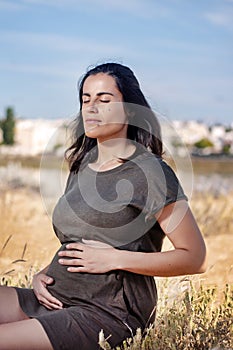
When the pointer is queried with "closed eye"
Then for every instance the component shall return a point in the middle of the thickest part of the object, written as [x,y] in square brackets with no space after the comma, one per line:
[105,101]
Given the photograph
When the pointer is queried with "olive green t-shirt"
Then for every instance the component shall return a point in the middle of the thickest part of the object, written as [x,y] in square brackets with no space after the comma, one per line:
[117,207]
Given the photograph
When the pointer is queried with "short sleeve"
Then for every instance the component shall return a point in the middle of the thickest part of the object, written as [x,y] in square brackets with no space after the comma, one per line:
[69,181]
[163,187]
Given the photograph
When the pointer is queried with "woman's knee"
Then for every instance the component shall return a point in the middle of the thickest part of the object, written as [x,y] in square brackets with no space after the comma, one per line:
[28,334]
[10,310]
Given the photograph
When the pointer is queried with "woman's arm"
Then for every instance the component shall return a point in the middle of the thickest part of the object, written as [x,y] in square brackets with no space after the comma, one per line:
[187,257]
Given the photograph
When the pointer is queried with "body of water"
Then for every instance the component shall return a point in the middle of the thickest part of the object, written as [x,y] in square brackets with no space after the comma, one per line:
[51,181]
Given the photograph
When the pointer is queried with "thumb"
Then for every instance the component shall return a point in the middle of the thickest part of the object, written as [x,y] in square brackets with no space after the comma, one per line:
[48,280]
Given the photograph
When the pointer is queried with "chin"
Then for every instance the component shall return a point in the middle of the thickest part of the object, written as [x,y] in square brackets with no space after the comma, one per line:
[92,132]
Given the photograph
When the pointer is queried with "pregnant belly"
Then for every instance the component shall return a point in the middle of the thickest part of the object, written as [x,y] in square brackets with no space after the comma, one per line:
[74,287]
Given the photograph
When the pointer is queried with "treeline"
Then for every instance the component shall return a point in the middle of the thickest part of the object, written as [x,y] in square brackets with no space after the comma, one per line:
[7,124]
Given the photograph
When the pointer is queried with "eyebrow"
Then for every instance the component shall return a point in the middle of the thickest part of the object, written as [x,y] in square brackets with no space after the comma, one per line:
[99,94]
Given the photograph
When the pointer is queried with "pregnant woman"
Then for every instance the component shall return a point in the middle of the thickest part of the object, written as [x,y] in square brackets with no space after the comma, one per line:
[121,200]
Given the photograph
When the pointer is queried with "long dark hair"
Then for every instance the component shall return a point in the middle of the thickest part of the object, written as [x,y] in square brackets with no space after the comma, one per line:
[143,126]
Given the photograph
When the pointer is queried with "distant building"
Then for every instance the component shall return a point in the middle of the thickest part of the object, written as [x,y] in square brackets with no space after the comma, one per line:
[191,131]
[37,136]
[217,136]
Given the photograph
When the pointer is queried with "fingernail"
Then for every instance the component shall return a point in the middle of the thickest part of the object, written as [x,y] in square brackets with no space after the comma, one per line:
[61,261]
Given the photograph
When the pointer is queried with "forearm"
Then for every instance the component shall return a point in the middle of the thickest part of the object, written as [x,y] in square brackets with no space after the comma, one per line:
[162,264]
[187,257]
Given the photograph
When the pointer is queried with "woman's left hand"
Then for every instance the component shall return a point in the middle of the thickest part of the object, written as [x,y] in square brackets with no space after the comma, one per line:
[89,256]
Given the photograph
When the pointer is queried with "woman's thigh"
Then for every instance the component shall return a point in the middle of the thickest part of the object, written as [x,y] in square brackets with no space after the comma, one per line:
[27,335]
[10,310]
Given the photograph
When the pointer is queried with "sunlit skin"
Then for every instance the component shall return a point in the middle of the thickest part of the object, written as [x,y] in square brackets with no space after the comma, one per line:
[103,112]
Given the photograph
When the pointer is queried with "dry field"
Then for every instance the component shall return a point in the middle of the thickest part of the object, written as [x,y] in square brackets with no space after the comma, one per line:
[27,239]
[215,218]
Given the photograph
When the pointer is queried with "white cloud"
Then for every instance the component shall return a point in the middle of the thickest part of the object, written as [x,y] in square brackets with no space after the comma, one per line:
[58,42]
[56,71]
[138,8]
[223,18]
[75,53]
[10,6]
[56,3]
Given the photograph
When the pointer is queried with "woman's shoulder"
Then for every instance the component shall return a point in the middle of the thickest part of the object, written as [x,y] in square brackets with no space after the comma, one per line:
[150,161]
[70,179]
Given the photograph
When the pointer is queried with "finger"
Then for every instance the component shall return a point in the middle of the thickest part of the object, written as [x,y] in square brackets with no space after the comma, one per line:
[47,298]
[50,306]
[70,262]
[48,280]
[71,254]
[78,269]
[75,245]
[47,306]
[54,301]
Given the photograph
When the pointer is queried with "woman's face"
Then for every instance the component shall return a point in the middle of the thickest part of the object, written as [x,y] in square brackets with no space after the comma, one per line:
[103,112]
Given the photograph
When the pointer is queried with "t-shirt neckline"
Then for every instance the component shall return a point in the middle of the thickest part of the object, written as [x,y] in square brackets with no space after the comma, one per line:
[138,151]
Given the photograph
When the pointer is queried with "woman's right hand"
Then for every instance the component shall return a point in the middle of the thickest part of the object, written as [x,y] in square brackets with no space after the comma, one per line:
[39,283]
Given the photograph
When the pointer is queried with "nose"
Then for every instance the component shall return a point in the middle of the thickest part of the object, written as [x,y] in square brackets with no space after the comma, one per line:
[92,109]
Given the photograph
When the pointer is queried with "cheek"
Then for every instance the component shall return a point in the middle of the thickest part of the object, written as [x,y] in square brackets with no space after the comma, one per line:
[83,112]
[115,114]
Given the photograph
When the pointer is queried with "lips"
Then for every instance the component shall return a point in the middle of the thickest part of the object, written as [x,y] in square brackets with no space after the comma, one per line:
[92,121]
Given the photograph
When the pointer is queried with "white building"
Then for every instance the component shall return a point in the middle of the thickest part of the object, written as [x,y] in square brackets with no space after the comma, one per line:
[191,131]
[37,136]
[217,136]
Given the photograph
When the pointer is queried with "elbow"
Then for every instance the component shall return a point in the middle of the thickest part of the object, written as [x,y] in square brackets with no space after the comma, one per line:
[197,268]
[203,266]
[200,265]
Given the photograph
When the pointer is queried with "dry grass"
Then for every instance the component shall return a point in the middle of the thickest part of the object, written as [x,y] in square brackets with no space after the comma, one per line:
[213,213]
[27,238]
[201,320]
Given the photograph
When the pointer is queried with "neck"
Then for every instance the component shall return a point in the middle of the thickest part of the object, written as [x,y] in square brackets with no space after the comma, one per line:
[114,149]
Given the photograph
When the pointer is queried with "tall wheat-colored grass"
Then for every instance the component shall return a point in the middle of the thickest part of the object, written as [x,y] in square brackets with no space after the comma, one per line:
[201,320]
[9,224]
[214,213]
[26,236]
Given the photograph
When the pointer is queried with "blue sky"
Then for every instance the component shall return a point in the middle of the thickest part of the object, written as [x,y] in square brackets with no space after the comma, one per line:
[180,50]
